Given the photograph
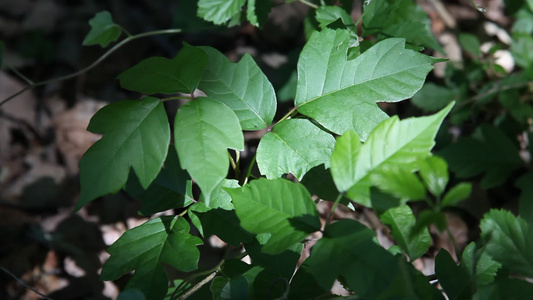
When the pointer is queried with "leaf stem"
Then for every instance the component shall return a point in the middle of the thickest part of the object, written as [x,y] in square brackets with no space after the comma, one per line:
[312,5]
[332,211]
[249,171]
[286,116]
[177,98]
[94,64]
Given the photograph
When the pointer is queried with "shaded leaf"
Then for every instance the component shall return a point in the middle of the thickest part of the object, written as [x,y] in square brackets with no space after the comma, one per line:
[135,134]
[103,30]
[262,207]
[341,95]
[479,264]
[434,173]
[454,279]
[457,194]
[162,75]
[432,97]
[144,248]
[131,294]
[293,146]
[257,11]
[504,288]
[525,207]
[242,86]
[204,129]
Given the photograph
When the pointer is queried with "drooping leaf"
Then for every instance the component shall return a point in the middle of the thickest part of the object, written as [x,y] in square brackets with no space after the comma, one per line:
[401,220]
[293,146]
[262,207]
[219,11]
[166,191]
[393,143]
[144,248]
[103,30]
[479,264]
[204,129]
[434,173]
[341,94]
[457,194]
[135,134]
[509,241]
[454,279]
[347,250]
[162,75]
[242,86]
[490,151]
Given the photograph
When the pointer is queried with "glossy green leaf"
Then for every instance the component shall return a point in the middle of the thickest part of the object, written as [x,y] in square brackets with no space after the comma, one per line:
[204,129]
[262,207]
[457,194]
[432,97]
[219,11]
[490,151]
[509,241]
[401,221]
[293,146]
[146,247]
[135,134]
[454,279]
[166,191]
[434,173]
[341,95]
[399,182]
[103,30]
[242,86]
[393,144]
[525,207]
[479,264]
[162,75]
[347,250]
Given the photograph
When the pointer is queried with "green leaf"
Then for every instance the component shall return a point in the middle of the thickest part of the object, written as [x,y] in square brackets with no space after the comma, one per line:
[401,220]
[341,95]
[242,86]
[257,11]
[433,97]
[505,288]
[490,151]
[262,208]
[521,50]
[457,194]
[470,43]
[508,240]
[326,15]
[434,173]
[219,11]
[103,30]
[319,182]
[525,207]
[131,294]
[293,146]
[146,247]
[235,288]
[203,130]
[166,191]
[399,182]
[162,75]
[479,264]
[429,217]
[454,279]
[135,134]
[347,250]
[393,144]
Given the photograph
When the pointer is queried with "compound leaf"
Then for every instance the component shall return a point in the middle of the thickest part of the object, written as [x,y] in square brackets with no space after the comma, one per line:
[293,146]
[242,86]
[341,94]
[135,134]
[262,207]
[144,248]
[162,75]
[508,240]
[103,30]
[204,129]
[219,11]
[393,144]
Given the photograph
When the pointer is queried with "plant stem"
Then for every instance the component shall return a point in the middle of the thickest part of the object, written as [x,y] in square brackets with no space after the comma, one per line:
[94,64]
[24,284]
[177,98]
[199,285]
[312,5]
[332,211]
[249,171]
[293,110]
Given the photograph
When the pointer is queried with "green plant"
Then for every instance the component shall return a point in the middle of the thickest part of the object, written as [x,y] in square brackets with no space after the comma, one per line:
[338,145]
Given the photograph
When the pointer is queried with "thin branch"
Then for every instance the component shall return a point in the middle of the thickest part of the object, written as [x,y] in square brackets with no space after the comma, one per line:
[312,5]
[496,89]
[24,284]
[94,64]
[332,211]
[199,285]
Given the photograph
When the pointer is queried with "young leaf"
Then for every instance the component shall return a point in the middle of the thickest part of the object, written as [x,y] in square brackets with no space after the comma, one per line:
[144,248]
[393,143]
[136,134]
[490,152]
[242,86]
[293,146]
[457,194]
[479,265]
[219,11]
[341,94]
[454,279]
[262,207]
[204,129]
[508,240]
[401,220]
[434,173]
[162,75]
[103,30]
